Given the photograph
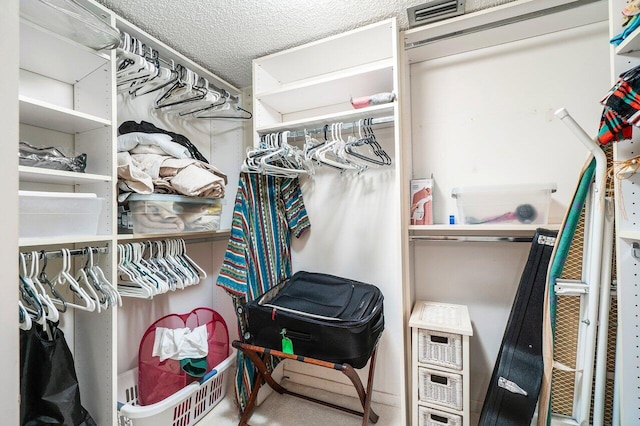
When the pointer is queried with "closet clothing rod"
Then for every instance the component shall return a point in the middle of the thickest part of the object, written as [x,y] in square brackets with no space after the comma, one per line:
[73,252]
[346,126]
[506,239]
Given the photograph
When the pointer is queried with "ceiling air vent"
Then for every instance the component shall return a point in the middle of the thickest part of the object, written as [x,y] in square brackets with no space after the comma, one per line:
[434,10]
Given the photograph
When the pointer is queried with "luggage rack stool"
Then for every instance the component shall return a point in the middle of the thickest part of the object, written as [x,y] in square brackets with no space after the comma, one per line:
[257,355]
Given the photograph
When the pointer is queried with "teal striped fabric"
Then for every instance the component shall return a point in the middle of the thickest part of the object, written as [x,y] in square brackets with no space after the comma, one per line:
[267,211]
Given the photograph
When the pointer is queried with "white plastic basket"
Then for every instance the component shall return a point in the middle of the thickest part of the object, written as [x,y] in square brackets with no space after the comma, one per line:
[440,388]
[184,408]
[444,349]
[429,417]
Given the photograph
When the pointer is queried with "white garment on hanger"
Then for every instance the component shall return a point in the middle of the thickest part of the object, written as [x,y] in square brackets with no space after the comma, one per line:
[181,343]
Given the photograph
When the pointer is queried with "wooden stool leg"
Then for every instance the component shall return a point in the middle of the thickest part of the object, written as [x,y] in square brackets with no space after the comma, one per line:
[365,396]
[251,405]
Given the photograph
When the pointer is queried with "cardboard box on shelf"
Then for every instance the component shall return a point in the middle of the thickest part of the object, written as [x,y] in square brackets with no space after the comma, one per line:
[422,201]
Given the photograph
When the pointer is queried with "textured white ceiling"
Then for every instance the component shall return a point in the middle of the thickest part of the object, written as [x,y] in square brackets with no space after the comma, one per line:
[224,36]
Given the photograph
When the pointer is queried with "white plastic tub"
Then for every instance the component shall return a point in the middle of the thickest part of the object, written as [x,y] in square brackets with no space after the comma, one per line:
[506,204]
[184,408]
[164,213]
[54,214]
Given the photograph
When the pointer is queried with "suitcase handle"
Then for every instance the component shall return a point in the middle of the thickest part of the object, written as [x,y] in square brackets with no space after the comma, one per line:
[298,335]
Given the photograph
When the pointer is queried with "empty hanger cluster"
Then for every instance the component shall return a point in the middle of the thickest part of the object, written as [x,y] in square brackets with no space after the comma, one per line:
[148,268]
[43,296]
[356,152]
[140,70]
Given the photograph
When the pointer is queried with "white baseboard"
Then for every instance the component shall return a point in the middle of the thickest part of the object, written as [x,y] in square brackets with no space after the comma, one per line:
[340,388]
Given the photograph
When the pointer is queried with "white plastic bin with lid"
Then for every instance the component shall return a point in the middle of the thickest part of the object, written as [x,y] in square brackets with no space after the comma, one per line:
[55,214]
[167,213]
[504,204]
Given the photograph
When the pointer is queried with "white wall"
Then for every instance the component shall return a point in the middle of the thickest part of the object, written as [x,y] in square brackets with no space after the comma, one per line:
[9,355]
[351,236]
[484,118]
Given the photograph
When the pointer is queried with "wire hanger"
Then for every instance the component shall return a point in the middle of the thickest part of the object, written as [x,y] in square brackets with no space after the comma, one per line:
[246,116]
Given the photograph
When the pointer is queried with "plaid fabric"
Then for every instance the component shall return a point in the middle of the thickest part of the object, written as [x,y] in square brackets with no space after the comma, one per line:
[621,108]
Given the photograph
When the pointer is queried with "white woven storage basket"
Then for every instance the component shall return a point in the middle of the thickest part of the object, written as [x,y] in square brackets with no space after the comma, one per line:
[444,349]
[184,408]
[430,417]
[440,388]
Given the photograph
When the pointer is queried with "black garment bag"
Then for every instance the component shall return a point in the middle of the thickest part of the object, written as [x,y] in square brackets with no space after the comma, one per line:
[517,375]
[49,392]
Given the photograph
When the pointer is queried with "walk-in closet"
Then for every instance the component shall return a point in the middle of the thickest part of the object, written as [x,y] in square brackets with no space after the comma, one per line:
[452,183]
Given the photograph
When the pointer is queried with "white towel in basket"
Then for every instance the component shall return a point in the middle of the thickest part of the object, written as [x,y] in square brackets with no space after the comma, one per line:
[181,343]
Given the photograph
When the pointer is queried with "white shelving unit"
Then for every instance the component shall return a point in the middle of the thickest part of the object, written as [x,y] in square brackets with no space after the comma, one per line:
[311,86]
[66,100]
[440,364]
[627,222]
[315,91]
[480,138]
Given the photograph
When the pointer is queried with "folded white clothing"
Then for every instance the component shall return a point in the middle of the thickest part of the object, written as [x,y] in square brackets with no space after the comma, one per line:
[129,141]
[181,343]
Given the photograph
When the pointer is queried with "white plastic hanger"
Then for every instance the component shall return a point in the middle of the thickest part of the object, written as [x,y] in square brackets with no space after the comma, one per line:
[25,319]
[50,309]
[65,277]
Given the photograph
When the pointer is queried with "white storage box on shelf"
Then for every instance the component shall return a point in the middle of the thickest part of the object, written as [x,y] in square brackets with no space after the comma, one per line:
[504,204]
[431,417]
[440,388]
[184,408]
[166,213]
[55,214]
[439,348]
[440,363]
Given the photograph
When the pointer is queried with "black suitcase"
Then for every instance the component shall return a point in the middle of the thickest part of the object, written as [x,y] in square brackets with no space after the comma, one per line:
[326,317]
[515,384]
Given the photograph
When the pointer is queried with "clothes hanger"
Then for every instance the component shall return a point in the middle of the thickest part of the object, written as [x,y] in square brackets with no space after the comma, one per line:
[115,298]
[51,310]
[129,284]
[245,115]
[187,277]
[166,76]
[285,161]
[183,253]
[327,155]
[25,322]
[184,91]
[43,278]
[65,277]
[215,104]
[30,294]
[175,280]
[157,284]
[194,277]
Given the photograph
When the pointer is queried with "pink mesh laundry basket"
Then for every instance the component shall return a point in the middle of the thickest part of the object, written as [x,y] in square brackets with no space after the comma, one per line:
[157,380]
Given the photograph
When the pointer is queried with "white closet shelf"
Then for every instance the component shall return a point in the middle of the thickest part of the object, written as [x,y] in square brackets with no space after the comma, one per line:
[49,116]
[630,45]
[320,120]
[318,58]
[330,89]
[478,230]
[630,235]
[60,177]
[49,54]
[72,239]
[213,235]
